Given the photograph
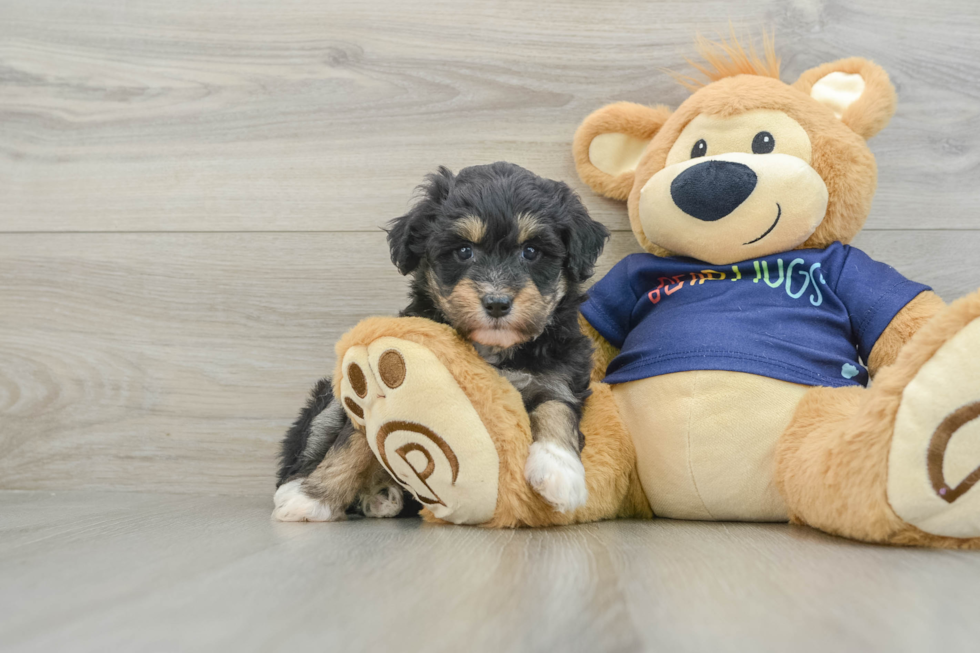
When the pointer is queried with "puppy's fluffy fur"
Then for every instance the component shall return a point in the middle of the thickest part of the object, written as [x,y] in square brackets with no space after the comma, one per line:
[499,254]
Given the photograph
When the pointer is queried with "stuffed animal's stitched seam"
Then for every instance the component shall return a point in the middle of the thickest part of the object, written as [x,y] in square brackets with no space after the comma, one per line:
[725,353]
[687,439]
[818,379]
[609,325]
[843,266]
[632,278]
[870,313]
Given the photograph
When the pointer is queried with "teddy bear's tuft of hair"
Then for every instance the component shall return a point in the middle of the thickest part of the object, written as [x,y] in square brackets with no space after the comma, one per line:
[728,58]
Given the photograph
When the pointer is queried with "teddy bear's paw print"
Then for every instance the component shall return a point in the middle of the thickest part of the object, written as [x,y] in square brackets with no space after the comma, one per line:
[422,428]
[934,462]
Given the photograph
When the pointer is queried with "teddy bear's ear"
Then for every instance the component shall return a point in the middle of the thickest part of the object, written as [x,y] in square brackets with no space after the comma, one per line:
[856,90]
[609,143]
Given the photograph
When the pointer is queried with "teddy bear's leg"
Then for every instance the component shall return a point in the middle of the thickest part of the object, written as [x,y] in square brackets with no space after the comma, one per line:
[899,462]
[422,427]
[447,426]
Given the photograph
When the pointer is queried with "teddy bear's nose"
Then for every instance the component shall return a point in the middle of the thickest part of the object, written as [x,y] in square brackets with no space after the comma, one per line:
[711,190]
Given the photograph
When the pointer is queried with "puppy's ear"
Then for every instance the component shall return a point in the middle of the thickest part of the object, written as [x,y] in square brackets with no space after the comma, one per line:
[408,234]
[584,237]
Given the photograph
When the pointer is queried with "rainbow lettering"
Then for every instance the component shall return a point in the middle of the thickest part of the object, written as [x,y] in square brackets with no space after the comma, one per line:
[805,278]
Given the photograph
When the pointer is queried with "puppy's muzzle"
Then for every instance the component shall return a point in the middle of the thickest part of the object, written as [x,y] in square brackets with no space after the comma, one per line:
[711,190]
[497,306]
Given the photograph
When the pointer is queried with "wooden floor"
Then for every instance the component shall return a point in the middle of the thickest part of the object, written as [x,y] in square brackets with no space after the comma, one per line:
[190,201]
[90,571]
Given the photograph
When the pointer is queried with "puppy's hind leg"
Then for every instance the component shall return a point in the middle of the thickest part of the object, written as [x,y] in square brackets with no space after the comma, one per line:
[334,485]
[383,497]
[554,468]
[312,434]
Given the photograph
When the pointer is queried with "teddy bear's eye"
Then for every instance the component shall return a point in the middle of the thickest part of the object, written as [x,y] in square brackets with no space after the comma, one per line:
[763,143]
[700,149]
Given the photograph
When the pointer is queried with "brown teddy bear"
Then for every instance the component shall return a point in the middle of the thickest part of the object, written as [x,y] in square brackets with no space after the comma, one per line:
[737,351]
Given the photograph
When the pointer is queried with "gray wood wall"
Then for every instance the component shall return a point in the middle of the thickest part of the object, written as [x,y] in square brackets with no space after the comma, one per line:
[190,191]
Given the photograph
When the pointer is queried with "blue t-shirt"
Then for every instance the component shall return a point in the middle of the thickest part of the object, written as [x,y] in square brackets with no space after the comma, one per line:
[807,316]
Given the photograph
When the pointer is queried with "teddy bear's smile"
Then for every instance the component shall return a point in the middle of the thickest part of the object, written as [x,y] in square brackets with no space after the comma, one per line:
[733,205]
[779,214]
[733,187]
[711,190]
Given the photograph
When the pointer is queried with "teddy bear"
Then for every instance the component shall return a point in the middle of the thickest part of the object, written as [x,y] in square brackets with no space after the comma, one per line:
[749,365]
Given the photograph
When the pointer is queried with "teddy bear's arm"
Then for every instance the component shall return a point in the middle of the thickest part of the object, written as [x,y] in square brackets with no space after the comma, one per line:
[602,353]
[901,329]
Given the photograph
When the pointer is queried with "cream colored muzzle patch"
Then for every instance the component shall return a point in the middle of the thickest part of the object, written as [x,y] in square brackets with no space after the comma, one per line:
[788,203]
[424,430]
[935,452]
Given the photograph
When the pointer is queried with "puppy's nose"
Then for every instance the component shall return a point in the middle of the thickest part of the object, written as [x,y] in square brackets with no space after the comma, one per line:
[711,190]
[497,305]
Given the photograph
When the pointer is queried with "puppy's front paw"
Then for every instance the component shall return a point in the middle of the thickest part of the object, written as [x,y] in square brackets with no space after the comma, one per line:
[292,504]
[386,502]
[557,475]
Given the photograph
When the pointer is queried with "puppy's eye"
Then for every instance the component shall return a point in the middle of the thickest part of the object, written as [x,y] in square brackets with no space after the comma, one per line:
[700,149]
[530,253]
[464,253]
[763,143]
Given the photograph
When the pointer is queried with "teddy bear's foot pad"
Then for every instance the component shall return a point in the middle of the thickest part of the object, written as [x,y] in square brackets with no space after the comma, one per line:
[422,427]
[934,463]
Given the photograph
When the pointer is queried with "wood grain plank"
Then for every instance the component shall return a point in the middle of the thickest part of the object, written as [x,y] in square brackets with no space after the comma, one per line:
[203,573]
[152,115]
[195,348]
[174,362]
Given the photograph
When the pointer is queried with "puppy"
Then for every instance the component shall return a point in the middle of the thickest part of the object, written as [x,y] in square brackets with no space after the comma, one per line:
[499,254]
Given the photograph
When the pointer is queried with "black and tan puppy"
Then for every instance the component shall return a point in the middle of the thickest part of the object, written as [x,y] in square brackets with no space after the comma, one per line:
[499,254]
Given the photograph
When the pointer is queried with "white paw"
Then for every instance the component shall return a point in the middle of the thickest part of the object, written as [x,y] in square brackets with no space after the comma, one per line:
[386,502]
[292,504]
[557,475]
